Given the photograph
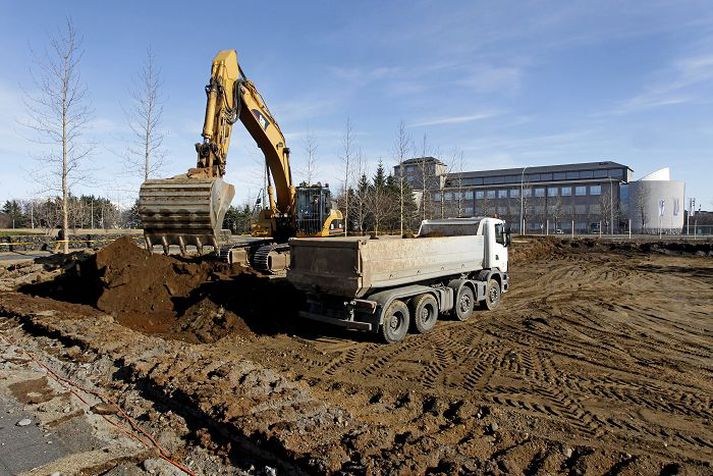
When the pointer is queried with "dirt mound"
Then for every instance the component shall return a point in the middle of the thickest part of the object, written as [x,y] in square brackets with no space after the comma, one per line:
[207,321]
[643,246]
[198,300]
[526,249]
[136,282]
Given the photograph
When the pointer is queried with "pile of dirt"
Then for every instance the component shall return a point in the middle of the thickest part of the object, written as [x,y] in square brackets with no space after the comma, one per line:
[144,291]
[135,282]
[642,246]
[207,321]
[198,300]
[527,249]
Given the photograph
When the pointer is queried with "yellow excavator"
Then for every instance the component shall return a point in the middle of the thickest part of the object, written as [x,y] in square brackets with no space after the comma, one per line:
[189,209]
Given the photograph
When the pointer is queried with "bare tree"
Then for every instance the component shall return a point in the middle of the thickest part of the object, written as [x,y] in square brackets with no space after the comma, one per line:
[457,159]
[556,209]
[310,148]
[58,114]
[145,155]
[424,175]
[401,151]
[607,209]
[347,151]
[641,199]
[360,194]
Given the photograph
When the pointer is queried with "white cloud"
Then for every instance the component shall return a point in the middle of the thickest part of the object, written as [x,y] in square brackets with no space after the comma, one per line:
[674,85]
[454,119]
[488,79]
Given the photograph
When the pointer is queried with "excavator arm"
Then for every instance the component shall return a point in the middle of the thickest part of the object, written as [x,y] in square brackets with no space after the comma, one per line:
[221,112]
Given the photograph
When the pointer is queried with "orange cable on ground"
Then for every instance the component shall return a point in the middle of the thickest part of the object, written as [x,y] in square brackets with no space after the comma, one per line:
[163,453]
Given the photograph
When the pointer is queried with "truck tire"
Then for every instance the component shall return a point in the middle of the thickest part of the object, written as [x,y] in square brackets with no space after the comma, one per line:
[424,313]
[465,303]
[492,295]
[395,322]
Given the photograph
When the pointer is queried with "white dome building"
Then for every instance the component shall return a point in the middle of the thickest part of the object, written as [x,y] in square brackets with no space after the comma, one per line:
[655,202]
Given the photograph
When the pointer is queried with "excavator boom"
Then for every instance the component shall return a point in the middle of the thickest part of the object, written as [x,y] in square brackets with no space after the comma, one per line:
[189,209]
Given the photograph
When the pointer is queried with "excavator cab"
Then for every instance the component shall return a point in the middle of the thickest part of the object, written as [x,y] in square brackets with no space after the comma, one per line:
[316,214]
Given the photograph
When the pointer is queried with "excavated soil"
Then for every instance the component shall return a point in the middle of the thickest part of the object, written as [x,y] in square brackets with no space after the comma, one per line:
[598,361]
[152,293]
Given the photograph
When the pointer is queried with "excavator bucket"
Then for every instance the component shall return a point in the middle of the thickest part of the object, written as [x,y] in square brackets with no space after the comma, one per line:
[184,211]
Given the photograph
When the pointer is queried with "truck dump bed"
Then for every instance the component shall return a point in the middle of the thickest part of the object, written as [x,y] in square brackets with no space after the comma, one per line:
[351,267]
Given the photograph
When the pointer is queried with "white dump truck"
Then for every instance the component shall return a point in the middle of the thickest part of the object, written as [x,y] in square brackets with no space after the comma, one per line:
[389,285]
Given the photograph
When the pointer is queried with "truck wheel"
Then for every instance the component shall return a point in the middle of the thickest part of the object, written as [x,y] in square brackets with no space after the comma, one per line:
[492,295]
[465,303]
[395,322]
[424,313]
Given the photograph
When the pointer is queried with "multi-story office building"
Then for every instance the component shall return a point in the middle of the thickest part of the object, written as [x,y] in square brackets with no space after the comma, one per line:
[555,198]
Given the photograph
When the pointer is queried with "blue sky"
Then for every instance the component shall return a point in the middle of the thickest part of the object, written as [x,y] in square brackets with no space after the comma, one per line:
[507,83]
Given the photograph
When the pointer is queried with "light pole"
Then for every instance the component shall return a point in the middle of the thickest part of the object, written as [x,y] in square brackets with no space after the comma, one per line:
[522,218]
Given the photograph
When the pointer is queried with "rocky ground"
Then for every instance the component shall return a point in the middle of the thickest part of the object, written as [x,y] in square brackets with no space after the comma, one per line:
[598,362]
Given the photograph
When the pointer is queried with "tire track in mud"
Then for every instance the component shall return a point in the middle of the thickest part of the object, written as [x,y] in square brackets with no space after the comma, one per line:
[584,345]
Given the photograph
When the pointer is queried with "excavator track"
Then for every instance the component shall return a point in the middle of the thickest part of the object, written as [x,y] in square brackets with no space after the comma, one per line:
[272,258]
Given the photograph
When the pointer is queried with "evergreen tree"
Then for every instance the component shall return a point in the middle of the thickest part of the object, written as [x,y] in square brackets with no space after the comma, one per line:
[13,210]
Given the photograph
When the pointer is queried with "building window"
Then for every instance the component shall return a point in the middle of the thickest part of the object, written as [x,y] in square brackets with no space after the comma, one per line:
[580,209]
[468,211]
[490,194]
[448,196]
[458,195]
[566,191]
[558,176]
[580,191]
[502,193]
[469,195]
[551,191]
[479,194]
[539,192]
[527,193]
[595,190]
[595,209]
[586,174]
[514,193]
[437,197]
[502,211]
[572,175]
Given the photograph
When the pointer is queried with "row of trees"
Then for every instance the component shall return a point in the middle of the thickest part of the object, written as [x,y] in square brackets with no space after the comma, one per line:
[382,203]
[84,212]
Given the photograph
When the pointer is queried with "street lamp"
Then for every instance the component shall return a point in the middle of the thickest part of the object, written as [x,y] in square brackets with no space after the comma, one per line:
[522,183]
